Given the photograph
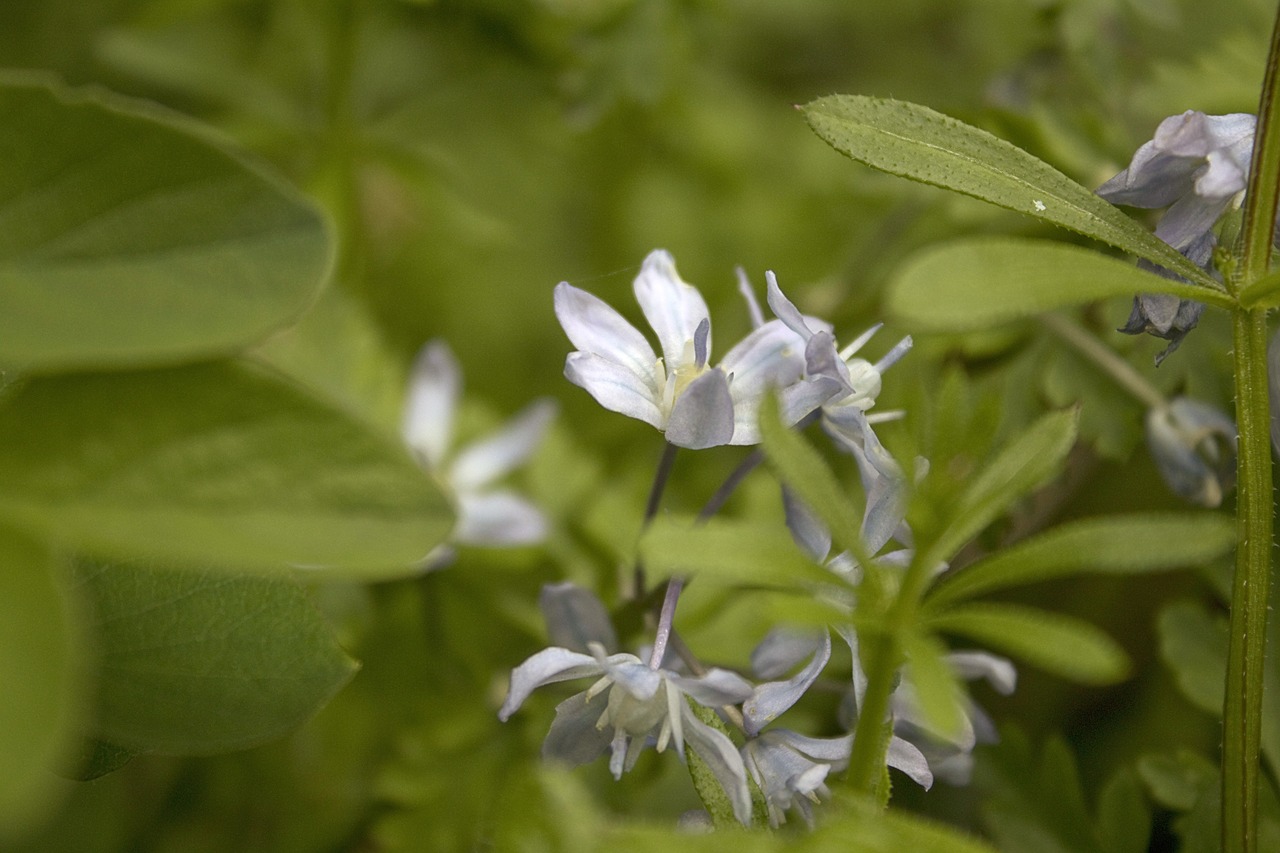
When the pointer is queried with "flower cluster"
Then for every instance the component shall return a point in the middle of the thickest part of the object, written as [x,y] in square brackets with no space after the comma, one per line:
[634,703]
[1197,166]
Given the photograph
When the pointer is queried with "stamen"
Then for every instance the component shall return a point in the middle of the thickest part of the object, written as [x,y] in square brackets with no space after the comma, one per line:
[753,307]
[859,342]
[892,356]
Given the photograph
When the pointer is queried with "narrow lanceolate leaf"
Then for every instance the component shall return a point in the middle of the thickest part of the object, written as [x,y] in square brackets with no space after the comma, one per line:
[223,464]
[803,470]
[1024,464]
[1130,544]
[1059,644]
[128,238]
[936,689]
[736,552]
[915,142]
[981,282]
[196,662]
[38,674]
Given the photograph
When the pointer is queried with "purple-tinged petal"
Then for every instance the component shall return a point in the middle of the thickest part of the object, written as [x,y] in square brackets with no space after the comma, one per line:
[770,356]
[714,688]
[493,457]
[807,530]
[1189,219]
[498,518]
[999,672]
[832,750]
[795,402]
[702,415]
[632,676]
[573,737]
[546,667]
[785,310]
[575,617]
[769,701]
[720,755]
[749,296]
[781,649]
[673,308]
[435,382]
[905,756]
[596,328]
[614,387]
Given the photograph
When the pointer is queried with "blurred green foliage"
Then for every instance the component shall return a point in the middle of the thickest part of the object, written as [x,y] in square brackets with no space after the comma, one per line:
[469,154]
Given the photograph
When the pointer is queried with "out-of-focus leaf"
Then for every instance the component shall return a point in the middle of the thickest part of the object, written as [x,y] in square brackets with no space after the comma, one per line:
[38,671]
[1124,817]
[1059,644]
[915,142]
[1193,644]
[1177,780]
[128,238]
[1025,463]
[218,464]
[936,688]
[1131,544]
[982,281]
[195,662]
[738,552]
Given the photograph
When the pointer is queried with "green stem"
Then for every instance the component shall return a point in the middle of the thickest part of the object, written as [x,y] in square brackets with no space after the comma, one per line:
[1105,358]
[1242,703]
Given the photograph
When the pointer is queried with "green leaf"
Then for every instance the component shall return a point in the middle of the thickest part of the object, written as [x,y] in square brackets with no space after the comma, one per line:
[38,671]
[983,281]
[915,142]
[1063,645]
[1124,817]
[1177,780]
[803,470]
[1193,644]
[220,464]
[936,687]
[1263,293]
[1131,544]
[1025,463]
[195,662]
[129,237]
[729,551]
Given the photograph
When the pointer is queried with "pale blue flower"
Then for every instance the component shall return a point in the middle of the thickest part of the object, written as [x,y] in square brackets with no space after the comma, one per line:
[693,403]
[1194,446]
[487,516]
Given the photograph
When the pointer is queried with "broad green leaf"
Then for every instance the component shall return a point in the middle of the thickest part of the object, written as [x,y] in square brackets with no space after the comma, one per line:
[1111,545]
[1063,645]
[915,142]
[195,662]
[38,671]
[220,464]
[936,688]
[128,237]
[982,281]
[736,552]
[1177,780]
[803,470]
[1124,818]
[1024,464]
[1193,644]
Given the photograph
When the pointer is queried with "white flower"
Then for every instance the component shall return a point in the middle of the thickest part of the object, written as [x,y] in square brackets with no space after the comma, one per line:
[486,515]
[692,403]
[640,702]
[1194,446]
[844,413]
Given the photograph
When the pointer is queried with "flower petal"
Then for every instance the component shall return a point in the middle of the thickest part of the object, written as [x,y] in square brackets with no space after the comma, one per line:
[770,356]
[576,617]
[785,310]
[769,701]
[720,755]
[999,672]
[807,530]
[715,687]
[494,456]
[573,737]
[435,382]
[615,387]
[905,756]
[546,667]
[781,649]
[596,328]
[702,415]
[673,308]
[498,519]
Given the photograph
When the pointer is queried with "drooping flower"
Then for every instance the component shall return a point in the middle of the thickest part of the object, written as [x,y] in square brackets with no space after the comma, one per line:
[1197,166]
[487,516]
[694,404]
[1194,446]
[844,414]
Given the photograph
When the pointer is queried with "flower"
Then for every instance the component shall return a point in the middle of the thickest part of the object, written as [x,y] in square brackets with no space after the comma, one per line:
[858,380]
[692,403]
[1197,165]
[1194,446]
[486,516]
[642,702]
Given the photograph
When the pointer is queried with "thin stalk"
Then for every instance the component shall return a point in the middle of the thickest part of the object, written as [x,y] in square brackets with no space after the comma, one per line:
[1105,358]
[730,485]
[660,477]
[1242,703]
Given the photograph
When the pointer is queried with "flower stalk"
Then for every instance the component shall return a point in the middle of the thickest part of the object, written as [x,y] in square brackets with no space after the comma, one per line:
[1242,705]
